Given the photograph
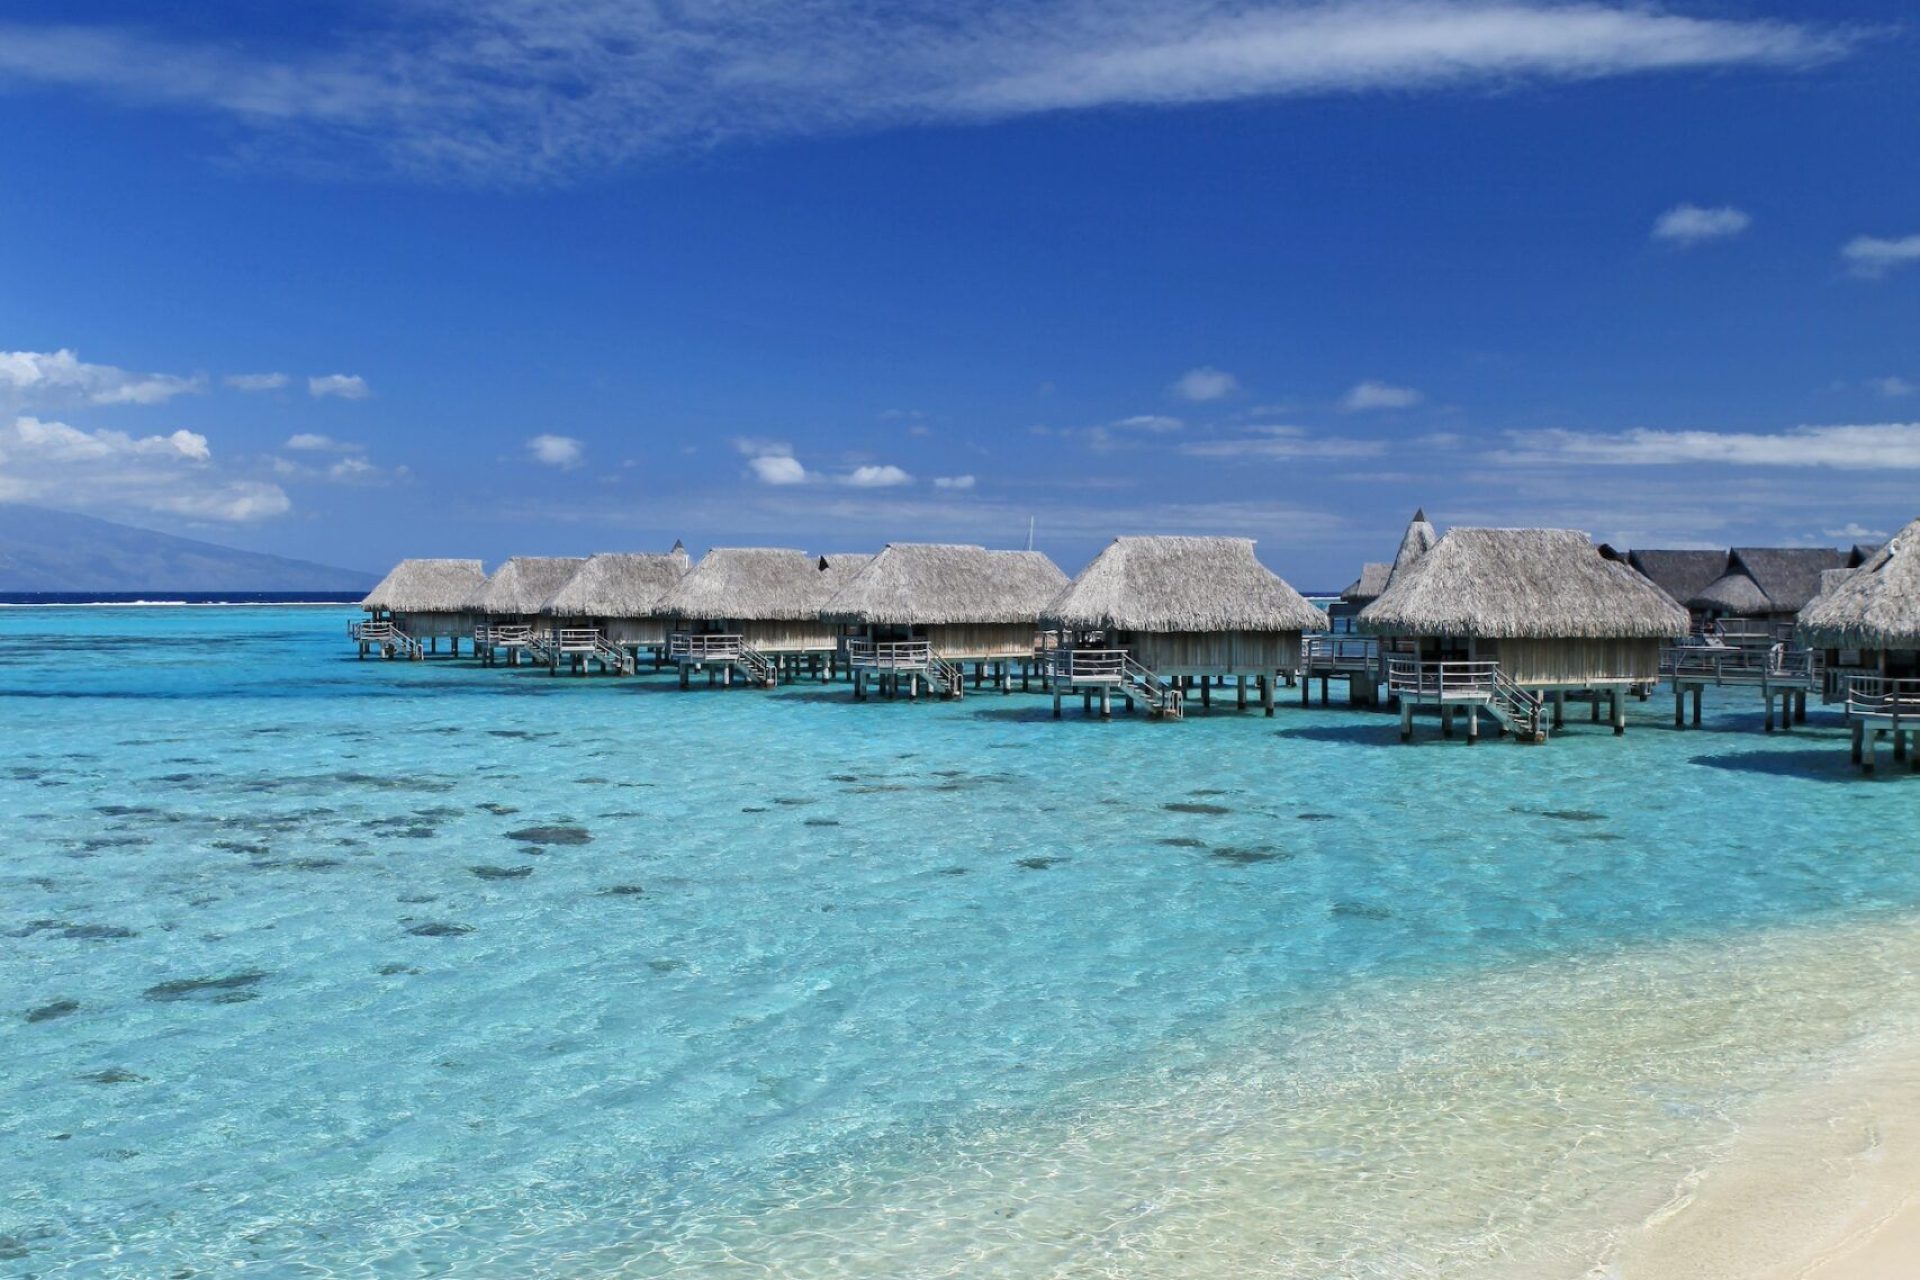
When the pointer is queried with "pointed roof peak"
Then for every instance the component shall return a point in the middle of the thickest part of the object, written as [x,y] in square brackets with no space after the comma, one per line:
[1419,515]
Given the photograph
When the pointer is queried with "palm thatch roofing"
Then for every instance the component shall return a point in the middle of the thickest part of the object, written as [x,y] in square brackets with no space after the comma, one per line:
[1862,552]
[520,586]
[1372,581]
[1545,584]
[1414,543]
[1733,593]
[617,585]
[1787,576]
[918,583]
[1681,574]
[427,586]
[758,584]
[1168,584]
[1877,606]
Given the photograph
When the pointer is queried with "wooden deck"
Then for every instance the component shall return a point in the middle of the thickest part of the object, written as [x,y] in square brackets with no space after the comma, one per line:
[1774,670]
[1880,704]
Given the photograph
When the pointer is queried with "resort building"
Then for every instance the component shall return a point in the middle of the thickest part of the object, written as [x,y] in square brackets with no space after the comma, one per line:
[755,610]
[1508,621]
[507,606]
[604,613]
[1867,626]
[920,612]
[1681,574]
[1152,615]
[1758,596]
[417,605]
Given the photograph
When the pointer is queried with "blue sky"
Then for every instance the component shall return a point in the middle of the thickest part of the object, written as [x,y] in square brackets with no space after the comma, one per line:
[358,281]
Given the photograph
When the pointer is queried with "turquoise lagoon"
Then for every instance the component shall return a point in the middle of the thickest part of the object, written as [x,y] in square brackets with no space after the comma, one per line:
[321,967]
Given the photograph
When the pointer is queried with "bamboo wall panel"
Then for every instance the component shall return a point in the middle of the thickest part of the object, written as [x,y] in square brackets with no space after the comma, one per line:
[1574,662]
[1214,652]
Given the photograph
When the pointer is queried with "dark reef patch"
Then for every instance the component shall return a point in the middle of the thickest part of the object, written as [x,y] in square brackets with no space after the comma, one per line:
[1361,911]
[501,873]
[114,1075]
[53,1009]
[1181,806]
[1183,842]
[558,834]
[623,891]
[497,809]
[232,988]
[439,929]
[1317,817]
[1248,857]
[821,822]
[1039,862]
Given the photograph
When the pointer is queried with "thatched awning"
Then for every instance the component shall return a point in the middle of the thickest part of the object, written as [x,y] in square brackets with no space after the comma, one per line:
[758,584]
[924,584]
[1170,585]
[1522,584]
[1733,593]
[1371,583]
[617,585]
[1877,606]
[1788,576]
[520,586]
[1681,574]
[427,586]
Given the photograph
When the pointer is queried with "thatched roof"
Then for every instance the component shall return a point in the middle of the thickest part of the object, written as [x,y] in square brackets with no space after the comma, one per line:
[1787,576]
[1165,584]
[1366,588]
[520,586]
[427,586]
[1877,606]
[1733,593]
[617,585]
[1522,584]
[911,583]
[1414,543]
[758,584]
[1862,552]
[1681,574]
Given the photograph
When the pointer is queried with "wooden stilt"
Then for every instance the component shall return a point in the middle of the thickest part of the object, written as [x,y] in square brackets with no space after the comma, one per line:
[1056,702]
[1619,714]
[1473,725]
[1406,720]
[1266,693]
[1859,739]
[1446,721]
[1698,690]
[1240,692]
[1106,705]
[1679,707]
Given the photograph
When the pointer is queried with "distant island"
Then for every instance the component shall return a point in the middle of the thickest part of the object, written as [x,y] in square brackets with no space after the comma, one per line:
[42,550]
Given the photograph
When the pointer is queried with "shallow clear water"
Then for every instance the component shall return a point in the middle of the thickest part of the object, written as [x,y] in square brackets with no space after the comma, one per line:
[423,969]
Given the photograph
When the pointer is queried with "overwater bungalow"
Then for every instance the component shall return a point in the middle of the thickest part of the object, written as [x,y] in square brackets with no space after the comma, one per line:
[1868,628]
[1359,593]
[1152,615]
[604,614]
[755,610]
[507,606]
[1682,574]
[920,612]
[1757,598]
[416,606]
[1511,621]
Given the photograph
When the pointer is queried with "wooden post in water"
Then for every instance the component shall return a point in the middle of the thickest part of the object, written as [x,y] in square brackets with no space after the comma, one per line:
[1697,691]
[1240,692]
[1679,707]
[1106,705]
[1619,715]
[1266,692]
[1859,739]
[1473,724]
[1406,720]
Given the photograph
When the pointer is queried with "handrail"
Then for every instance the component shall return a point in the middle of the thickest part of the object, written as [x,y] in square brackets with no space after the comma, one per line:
[1422,679]
[696,646]
[1330,649]
[891,655]
[1721,661]
[1883,696]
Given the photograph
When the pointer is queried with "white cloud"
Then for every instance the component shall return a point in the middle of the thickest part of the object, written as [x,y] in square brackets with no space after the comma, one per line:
[876,477]
[556,451]
[256,381]
[1156,423]
[49,379]
[1867,447]
[308,442]
[529,89]
[1854,531]
[778,469]
[1894,387]
[1205,383]
[344,386]
[1871,257]
[112,471]
[1689,224]
[1283,444]
[953,482]
[1379,395]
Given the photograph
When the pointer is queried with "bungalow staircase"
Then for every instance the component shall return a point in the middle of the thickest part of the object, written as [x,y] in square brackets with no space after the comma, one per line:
[612,657]
[1517,709]
[389,640]
[946,677]
[1162,696]
[757,666]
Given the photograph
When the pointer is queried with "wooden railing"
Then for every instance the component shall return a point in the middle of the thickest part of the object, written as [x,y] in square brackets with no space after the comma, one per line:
[1339,653]
[1884,698]
[890,655]
[385,636]
[1115,667]
[1727,664]
[577,639]
[1441,681]
[691,646]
